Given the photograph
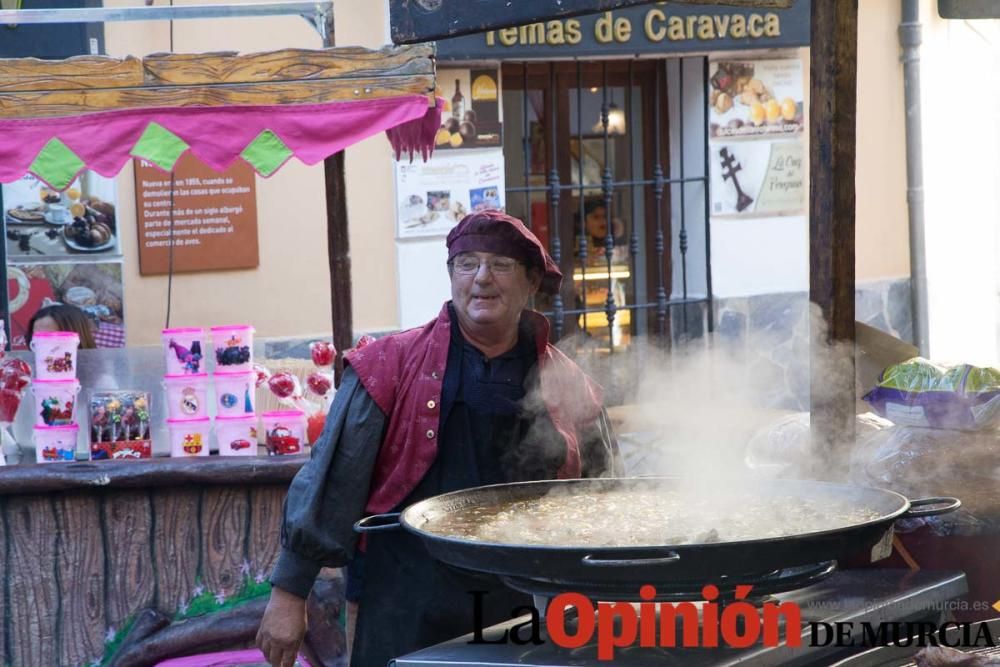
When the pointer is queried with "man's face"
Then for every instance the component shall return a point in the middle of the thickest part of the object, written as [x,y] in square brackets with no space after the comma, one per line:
[495,293]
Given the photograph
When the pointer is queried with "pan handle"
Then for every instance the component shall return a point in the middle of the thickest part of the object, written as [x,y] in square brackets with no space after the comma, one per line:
[591,560]
[378,522]
[950,505]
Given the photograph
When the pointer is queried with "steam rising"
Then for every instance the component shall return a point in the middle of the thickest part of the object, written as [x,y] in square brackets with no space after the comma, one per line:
[694,411]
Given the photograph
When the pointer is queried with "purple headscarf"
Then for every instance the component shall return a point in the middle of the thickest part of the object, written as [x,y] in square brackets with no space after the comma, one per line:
[501,234]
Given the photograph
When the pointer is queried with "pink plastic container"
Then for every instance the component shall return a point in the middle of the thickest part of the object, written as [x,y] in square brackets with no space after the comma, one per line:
[189,437]
[184,350]
[233,348]
[55,401]
[237,436]
[235,393]
[187,396]
[55,443]
[285,432]
[55,354]
[246,657]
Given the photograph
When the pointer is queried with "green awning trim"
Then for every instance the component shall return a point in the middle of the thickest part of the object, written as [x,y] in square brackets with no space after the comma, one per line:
[159,146]
[266,153]
[59,164]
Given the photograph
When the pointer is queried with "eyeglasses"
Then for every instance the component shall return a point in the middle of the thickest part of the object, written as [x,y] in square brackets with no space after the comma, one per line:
[498,266]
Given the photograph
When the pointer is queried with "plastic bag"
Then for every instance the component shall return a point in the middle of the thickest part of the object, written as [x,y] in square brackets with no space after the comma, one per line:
[783,448]
[923,394]
[922,462]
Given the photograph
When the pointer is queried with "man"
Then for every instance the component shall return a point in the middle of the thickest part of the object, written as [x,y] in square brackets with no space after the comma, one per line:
[476,396]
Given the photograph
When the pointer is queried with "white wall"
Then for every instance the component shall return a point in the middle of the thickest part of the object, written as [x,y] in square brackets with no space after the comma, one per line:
[961,175]
[423,280]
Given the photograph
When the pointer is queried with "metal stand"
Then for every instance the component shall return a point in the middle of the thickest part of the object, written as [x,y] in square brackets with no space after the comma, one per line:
[318,13]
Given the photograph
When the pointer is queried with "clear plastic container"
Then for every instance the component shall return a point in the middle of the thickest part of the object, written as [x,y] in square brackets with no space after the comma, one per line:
[183,350]
[55,401]
[189,437]
[237,436]
[233,346]
[187,396]
[55,443]
[55,354]
[285,432]
[235,393]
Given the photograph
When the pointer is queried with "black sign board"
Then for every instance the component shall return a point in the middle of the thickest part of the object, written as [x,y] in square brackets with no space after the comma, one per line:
[663,27]
[413,21]
[969,9]
[52,40]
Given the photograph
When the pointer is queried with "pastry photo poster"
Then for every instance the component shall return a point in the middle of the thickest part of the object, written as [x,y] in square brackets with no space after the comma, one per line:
[79,223]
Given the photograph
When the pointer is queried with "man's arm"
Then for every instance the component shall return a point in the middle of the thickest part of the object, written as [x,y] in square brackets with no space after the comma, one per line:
[329,493]
[324,500]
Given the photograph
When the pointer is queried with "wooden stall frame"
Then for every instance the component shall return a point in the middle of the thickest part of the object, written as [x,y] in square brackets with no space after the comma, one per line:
[138,561]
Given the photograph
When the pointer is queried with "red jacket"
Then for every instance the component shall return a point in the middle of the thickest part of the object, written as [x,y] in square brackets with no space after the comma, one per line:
[403,374]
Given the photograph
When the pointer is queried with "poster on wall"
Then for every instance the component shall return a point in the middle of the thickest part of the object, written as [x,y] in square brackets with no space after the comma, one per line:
[471,116]
[79,222]
[433,196]
[93,287]
[214,217]
[755,98]
[757,178]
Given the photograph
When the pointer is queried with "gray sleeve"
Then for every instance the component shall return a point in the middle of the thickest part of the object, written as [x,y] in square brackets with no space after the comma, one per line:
[599,455]
[330,491]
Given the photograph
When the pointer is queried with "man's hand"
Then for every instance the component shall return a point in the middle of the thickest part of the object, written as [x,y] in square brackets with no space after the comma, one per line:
[282,628]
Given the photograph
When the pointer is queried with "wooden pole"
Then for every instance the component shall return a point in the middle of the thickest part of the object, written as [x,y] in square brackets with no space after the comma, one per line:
[832,118]
[338,243]
[340,257]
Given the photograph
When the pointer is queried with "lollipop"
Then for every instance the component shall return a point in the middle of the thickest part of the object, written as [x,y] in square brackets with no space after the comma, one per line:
[364,341]
[263,375]
[10,401]
[15,375]
[319,383]
[284,385]
[323,353]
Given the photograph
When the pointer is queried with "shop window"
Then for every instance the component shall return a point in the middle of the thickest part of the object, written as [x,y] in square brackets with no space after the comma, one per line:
[606,162]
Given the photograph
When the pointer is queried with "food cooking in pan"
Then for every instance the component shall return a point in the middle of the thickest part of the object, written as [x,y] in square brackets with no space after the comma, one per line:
[642,517]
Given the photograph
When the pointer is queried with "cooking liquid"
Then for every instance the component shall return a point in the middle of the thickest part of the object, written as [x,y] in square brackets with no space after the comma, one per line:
[635,517]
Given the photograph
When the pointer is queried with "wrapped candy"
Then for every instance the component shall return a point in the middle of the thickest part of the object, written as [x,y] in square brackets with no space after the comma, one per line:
[323,353]
[320,383]
[284,385]
[15,376]
[263,375]
[288,389]
[364,341]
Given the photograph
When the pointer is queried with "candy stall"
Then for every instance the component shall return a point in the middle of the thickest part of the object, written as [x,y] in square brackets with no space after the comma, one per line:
[141,511]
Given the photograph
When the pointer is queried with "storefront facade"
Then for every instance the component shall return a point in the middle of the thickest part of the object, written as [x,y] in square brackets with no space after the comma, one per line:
[685,127]
[749,258]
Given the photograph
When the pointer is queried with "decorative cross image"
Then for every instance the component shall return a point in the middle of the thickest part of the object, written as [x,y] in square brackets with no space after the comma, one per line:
[729,168]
